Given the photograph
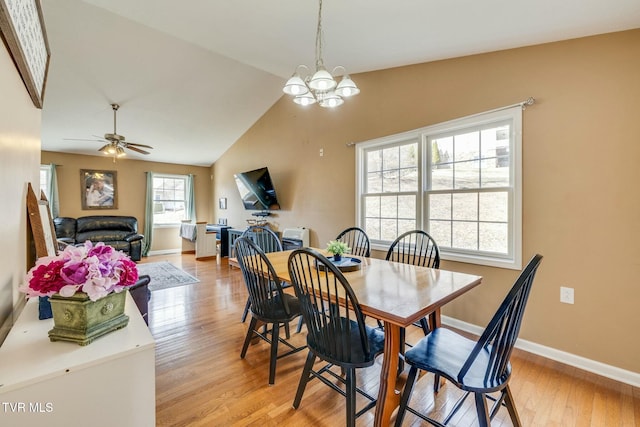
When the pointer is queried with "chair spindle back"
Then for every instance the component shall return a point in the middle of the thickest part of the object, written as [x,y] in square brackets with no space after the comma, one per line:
[415,247]
[329,306]
[501,334]
[264,237]
[357,239]
[263,285]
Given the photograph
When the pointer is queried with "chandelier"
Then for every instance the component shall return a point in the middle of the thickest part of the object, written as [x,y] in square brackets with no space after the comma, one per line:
[322,86]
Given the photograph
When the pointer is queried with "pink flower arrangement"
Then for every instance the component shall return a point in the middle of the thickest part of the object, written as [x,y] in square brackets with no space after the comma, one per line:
[97,270]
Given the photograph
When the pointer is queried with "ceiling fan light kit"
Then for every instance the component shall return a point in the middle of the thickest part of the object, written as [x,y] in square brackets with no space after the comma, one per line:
[322,86]
[115,143]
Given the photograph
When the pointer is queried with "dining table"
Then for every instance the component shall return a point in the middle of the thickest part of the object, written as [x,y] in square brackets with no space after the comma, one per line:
[398,295]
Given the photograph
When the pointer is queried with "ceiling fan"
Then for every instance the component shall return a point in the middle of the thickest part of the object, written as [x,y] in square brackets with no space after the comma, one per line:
[115,143]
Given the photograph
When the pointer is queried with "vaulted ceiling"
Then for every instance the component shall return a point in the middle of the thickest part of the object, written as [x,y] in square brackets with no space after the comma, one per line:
[192,77]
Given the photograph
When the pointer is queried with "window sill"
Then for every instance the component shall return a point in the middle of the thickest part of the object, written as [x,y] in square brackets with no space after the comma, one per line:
[508,263]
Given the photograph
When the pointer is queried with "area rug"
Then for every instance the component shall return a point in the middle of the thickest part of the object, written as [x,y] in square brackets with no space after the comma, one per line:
[165,275]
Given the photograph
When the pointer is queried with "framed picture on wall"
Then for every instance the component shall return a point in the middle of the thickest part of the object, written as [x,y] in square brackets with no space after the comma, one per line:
[98,189]
[22,27]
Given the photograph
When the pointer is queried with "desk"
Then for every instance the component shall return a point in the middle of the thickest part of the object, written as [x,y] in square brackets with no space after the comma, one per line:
[398,295]
[197,236]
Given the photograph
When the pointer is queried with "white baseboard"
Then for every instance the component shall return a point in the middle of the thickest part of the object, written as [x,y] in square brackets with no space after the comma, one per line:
[615,373]
[165,252]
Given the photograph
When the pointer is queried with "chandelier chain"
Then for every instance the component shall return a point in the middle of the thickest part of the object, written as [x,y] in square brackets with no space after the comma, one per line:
[319,61]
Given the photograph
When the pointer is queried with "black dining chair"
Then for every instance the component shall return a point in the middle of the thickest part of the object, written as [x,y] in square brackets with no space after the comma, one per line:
[266,240]
[356,238]
[479,367]
[337,333]
[264,237]
[415,247]
[269,303]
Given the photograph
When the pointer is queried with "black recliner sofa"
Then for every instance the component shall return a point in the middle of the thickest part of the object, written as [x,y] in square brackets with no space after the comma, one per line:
[121,232]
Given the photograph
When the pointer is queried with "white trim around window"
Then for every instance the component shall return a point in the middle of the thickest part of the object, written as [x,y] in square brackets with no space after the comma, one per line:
[461,181]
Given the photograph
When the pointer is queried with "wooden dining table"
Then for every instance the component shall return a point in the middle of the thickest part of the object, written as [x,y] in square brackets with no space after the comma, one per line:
[398,295]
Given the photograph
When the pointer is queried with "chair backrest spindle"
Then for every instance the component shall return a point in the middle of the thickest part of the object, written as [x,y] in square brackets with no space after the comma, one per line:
[264,237]
[415,247]
[357,239]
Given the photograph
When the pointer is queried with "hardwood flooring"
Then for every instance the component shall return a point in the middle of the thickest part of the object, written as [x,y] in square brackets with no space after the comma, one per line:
[201,380]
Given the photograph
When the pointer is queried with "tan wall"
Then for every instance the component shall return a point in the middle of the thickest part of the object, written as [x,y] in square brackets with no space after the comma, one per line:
[580,147]
[132,184]
[19,165]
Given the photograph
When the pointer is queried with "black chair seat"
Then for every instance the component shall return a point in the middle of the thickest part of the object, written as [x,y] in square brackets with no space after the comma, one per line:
[272,310]
[356,358]
[445,352]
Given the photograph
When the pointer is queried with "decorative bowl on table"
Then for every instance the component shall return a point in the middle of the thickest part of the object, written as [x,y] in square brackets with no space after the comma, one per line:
[344,264]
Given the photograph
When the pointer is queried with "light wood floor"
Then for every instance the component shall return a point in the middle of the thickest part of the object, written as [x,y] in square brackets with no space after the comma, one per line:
[201,380]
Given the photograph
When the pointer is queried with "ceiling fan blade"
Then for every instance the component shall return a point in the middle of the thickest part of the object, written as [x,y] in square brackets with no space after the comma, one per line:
[137,149]
[84,139]
[138,145]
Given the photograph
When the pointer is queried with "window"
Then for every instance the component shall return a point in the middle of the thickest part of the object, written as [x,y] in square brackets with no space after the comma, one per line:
[169,199]
[45,172]
[460,181]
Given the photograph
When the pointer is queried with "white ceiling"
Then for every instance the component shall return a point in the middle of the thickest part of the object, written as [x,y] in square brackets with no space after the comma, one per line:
[192,77]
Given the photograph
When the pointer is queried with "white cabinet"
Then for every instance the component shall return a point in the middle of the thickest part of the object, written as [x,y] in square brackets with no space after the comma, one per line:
[110,382]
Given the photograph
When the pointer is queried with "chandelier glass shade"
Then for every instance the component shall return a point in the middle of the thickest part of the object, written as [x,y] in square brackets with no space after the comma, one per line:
[321,87]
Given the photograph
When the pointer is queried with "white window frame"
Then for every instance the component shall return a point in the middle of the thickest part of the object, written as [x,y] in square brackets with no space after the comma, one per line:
[511,260]
[186,195]
[44,186]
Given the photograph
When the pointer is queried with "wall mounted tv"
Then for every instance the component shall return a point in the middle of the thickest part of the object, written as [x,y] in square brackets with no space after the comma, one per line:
[256,190]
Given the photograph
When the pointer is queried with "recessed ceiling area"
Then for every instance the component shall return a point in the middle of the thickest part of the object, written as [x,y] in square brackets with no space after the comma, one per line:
[192,77]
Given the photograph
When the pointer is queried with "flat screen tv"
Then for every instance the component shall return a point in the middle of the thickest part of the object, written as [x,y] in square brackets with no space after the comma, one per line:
[256,190]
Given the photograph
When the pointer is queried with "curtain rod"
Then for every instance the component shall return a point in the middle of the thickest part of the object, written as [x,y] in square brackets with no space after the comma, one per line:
[524,104]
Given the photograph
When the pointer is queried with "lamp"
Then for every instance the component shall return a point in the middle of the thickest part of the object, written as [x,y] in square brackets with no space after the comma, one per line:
[322,86]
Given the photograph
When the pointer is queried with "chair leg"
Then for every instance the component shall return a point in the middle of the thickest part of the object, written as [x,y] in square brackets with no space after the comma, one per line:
[436,383]
[406,395]
[511,407]
[482,409]
[246,310]
[247,339]
[304,379]
[350,393]
[287,332]
[300,323]
[275,332]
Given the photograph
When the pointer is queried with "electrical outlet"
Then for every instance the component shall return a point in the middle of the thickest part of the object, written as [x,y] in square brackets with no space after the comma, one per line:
[566,295]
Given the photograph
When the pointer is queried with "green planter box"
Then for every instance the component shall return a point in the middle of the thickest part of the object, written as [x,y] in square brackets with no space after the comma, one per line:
[80,320]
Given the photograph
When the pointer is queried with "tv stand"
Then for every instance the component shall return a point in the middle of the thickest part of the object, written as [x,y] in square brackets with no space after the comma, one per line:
[261,213]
